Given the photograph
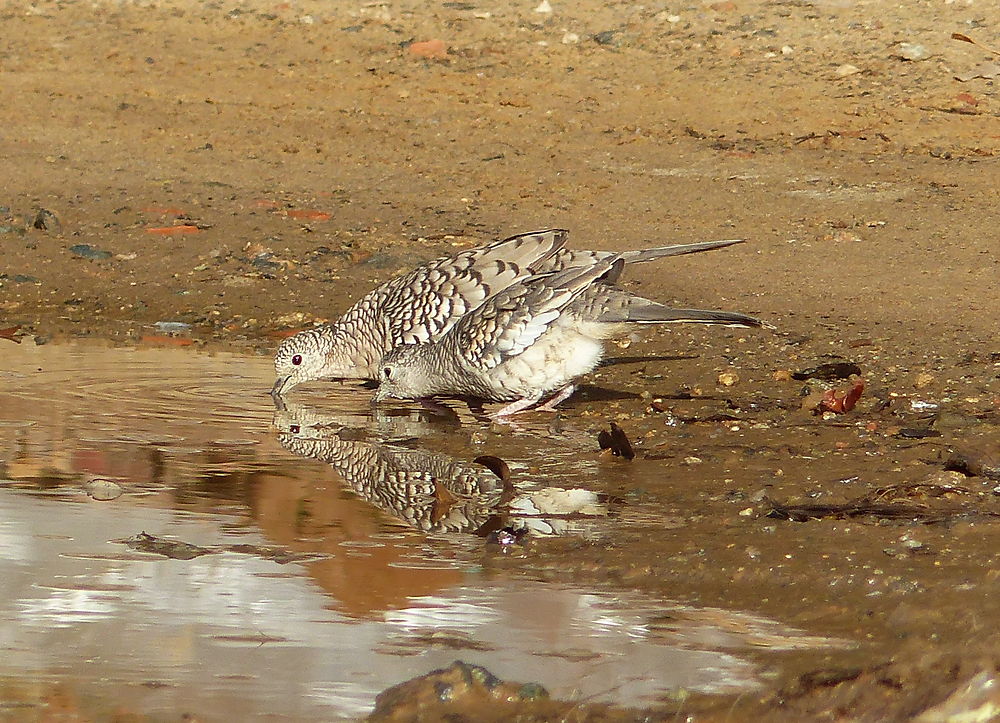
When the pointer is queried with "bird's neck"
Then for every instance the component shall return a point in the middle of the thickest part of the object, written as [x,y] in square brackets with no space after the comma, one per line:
[438,364]
[351,351]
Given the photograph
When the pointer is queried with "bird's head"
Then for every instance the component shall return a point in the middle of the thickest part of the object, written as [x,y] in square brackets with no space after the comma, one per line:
[403,374]
[300,358]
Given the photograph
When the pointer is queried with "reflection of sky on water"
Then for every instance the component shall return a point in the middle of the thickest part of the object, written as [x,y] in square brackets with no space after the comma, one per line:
[223,632]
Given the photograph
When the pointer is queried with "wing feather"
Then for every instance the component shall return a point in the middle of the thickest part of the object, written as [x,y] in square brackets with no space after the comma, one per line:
[425,303]
[510,322]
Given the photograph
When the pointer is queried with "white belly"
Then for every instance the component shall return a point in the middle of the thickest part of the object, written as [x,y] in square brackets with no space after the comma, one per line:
[557,358]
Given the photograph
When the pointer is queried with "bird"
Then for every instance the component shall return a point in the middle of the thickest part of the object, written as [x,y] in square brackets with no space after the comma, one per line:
[531,340]
[424,303]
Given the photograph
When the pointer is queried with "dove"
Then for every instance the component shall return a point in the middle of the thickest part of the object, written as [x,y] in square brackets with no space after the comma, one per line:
[423,304]
[532,340]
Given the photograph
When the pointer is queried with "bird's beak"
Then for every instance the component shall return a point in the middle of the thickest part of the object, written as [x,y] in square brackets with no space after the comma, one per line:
[380,395]
[279,387]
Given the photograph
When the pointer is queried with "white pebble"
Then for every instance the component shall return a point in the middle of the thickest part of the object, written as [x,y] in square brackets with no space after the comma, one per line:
[913,51]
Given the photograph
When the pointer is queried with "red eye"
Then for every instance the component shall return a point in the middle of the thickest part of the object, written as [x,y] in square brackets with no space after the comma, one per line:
[297,359]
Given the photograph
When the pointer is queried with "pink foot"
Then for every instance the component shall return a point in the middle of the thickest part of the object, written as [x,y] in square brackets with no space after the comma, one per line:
[514,408]
[559,397]
[528,404]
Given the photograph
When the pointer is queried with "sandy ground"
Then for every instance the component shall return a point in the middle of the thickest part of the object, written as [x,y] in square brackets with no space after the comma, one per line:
[250,168]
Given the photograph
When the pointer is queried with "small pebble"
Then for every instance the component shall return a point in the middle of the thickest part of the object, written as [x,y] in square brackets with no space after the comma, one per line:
[846,235]
[729,379]
[103,490]
[837,370]
[429,49]
[171,327]
[264,263]
[846,69]
[913,52]
[606,37]
[87,251]
[45,220]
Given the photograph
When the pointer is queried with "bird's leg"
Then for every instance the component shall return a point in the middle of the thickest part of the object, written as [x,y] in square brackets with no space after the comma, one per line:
[514,407]
[528,403]
[560,396]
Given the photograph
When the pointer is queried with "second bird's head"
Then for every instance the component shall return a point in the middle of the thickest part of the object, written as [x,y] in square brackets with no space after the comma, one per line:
[403,374]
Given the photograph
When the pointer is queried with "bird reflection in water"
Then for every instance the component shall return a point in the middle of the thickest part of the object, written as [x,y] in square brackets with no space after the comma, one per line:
[430,491]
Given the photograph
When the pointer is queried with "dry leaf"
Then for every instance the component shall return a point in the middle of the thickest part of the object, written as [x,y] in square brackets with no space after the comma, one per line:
[616,441]
[840,402]
[10,333]
[966,39]
[495,465]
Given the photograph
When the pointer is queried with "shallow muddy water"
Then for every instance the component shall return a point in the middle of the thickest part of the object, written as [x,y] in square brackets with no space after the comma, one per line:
[305,559]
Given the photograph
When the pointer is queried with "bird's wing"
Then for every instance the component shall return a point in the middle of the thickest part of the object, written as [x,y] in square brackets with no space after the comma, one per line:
[511,321]
[525,249]
[423,304]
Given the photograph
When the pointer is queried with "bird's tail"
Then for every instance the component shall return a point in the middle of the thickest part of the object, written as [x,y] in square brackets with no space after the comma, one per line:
[613,305]
[651,312]
[642,255]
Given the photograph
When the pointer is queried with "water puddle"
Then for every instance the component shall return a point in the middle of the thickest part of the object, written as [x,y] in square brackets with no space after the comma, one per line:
[295,562]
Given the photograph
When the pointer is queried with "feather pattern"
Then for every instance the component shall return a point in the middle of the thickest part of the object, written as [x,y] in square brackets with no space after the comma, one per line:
[532,339]
[423,305]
